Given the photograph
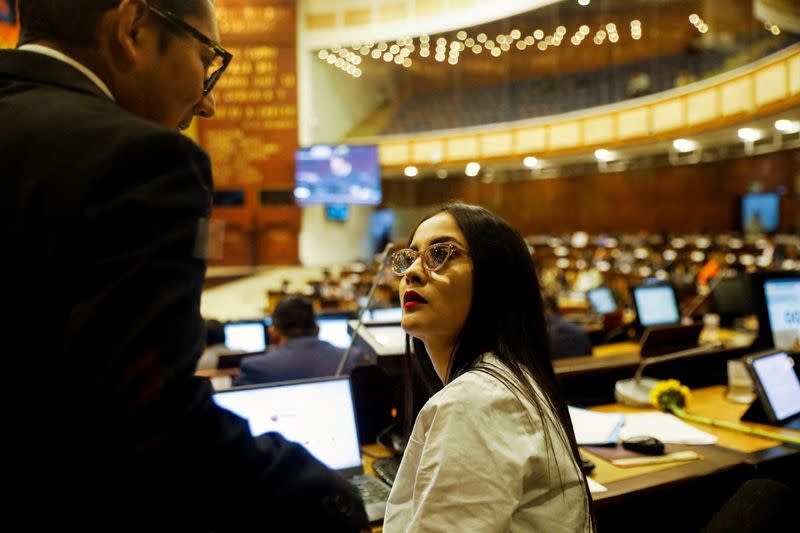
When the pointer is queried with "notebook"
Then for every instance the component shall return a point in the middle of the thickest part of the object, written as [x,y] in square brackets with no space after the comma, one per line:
[317,413]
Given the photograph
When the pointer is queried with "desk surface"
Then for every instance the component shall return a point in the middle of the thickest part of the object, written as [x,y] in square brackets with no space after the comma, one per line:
[732,449]
[730,457]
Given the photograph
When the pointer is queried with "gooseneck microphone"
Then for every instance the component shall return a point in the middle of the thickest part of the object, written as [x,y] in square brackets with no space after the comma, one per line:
[383,259]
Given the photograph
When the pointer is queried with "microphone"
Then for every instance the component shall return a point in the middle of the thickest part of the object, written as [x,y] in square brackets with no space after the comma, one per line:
[636,391]
[382,266]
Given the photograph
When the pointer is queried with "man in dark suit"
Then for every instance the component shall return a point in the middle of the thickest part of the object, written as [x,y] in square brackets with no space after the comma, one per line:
[106,209]
[297,352]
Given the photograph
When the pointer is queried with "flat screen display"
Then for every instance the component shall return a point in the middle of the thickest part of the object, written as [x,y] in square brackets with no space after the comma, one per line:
[330,174]
[760,212]
[337,212]
[317,414]
[783,307]
[602,299]
[246,336]
[334,331]
[656,305]
[779,382]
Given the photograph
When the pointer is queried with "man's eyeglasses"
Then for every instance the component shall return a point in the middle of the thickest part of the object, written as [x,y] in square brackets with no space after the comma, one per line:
[219,61]
[434,257]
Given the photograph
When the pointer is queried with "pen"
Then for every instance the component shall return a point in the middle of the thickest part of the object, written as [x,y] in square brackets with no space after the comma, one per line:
[685,455]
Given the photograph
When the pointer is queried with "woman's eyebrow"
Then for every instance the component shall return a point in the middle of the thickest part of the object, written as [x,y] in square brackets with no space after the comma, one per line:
[437,240]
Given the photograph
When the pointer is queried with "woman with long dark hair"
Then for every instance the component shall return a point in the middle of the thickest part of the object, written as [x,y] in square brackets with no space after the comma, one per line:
[493,449]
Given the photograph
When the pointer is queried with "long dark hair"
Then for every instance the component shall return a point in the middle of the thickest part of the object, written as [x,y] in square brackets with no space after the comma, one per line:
[506,318]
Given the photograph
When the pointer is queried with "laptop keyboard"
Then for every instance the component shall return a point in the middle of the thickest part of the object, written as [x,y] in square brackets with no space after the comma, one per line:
[371,489]
[385,468]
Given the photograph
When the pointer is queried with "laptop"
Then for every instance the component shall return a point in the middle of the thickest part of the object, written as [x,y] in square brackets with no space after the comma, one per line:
[246,336]
[602,300]
[317,413]
[333,329]
[778,387]
[656,305]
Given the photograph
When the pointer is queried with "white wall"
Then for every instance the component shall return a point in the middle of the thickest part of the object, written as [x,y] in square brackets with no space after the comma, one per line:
[324,243]
[338,101]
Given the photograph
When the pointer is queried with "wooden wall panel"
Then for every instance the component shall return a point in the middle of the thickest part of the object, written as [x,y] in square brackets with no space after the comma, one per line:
[690,198]
[253,137]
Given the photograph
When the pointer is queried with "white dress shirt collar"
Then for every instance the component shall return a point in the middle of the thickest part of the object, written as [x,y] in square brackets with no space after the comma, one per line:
[55,54]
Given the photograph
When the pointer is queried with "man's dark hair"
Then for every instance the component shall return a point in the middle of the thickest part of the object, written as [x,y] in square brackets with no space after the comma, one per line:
[294,317]
[74,22]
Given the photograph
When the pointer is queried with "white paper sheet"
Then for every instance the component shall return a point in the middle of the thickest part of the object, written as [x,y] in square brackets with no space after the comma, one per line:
[592,427]
[667,428]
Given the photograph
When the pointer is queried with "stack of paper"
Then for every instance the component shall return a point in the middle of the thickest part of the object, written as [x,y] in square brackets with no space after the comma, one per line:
[594,428]
[667,428]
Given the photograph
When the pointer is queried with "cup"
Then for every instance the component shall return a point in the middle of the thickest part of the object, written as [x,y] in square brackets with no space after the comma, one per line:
[740,384]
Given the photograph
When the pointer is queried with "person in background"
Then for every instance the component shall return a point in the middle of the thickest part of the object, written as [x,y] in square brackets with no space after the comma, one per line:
[106,210]
[297,352]
[566,339]
[493,450]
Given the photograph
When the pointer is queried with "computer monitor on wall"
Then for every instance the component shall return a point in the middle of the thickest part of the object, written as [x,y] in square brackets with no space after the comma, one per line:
[337,174]
[760,212]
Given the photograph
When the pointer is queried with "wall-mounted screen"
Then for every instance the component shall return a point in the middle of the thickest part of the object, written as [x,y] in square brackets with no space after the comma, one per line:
[760,212]
[328,174]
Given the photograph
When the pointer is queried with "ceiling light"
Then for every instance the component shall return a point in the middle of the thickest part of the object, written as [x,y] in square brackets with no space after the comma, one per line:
[605,155]
[694,18]
[584,2]
[411,172]
[461,35]
[530,162]
[516,34]
[538,34]
[496,52]
[684,145]
[472,169]
[323,54]
[749,134]
[481,38]
[787,126]
[775,30]
[441,173]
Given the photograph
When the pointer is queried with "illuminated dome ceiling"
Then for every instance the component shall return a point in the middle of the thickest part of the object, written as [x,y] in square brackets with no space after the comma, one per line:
[555,39]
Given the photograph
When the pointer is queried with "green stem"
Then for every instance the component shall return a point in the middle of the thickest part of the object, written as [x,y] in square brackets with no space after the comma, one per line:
[732,425]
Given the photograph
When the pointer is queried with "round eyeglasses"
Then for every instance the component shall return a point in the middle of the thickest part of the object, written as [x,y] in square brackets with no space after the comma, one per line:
[434,257]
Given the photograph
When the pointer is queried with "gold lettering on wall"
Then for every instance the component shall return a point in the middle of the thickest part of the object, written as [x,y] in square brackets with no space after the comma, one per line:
[253,136]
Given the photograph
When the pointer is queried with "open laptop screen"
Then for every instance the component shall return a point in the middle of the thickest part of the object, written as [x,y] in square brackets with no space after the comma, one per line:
[385,315]
[602,299]
[315,413]
[656,305]
[334,331]
[783,307]
[246,336]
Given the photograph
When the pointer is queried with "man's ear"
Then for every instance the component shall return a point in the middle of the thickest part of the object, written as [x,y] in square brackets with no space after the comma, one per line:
[275,337]
[131,18]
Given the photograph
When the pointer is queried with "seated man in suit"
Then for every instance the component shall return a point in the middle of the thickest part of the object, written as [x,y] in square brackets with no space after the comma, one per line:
[566,338]
[297,353]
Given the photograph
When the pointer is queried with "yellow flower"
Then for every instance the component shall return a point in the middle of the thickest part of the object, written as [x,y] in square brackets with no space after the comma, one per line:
[670,393]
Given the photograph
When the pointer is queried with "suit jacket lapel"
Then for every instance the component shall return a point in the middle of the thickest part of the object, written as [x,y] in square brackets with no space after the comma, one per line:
[38,68]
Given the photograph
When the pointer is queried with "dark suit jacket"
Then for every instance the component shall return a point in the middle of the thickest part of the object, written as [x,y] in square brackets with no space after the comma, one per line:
[567,339]
[103,231]
[299,358]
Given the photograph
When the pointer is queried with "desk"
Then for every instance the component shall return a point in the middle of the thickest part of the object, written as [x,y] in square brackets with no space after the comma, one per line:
[699,487]
[589,379]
